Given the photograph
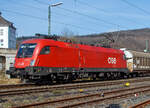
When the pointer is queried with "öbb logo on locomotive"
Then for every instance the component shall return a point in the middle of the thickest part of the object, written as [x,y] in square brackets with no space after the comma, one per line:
[112,60]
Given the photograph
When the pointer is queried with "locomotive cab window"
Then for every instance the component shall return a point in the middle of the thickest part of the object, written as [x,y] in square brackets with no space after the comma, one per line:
[45,50]
[26,50]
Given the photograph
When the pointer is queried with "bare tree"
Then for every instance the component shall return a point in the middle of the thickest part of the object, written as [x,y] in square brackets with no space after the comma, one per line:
[67,33]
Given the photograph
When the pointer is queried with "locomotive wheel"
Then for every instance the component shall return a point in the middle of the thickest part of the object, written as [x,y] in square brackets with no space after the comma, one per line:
[118,76]
[134,75]
[125,76]
[94,77]
[129,76]
[24,81]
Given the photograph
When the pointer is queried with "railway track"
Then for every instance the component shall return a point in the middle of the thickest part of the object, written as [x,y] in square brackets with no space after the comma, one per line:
[11,92]
[141,105]
[89,99]
[14,86]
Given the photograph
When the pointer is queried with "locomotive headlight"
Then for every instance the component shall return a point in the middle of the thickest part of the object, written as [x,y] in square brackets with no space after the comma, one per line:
[32,62]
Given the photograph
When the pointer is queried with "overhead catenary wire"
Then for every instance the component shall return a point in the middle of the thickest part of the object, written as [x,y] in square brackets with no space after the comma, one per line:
[41,2]
[45,19]
[92,17]
[135,6]
[89,5]
[43,10]
[88,16]
[104,11]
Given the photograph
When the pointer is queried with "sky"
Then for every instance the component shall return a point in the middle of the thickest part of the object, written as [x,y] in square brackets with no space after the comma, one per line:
[78,17]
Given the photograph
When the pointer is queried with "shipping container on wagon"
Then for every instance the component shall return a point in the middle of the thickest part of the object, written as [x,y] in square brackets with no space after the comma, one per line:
[137,61]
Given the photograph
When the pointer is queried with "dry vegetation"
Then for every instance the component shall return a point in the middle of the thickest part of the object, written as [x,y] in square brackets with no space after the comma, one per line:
[5,80]
[130,39]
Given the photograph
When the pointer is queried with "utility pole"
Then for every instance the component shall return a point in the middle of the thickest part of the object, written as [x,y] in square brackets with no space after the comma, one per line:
[49,20]
[49,16]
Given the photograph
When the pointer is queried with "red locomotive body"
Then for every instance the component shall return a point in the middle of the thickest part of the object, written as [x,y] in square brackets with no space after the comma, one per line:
[45,59]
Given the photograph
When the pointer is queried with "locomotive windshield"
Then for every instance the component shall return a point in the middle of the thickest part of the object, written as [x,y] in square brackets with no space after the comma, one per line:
[26,50]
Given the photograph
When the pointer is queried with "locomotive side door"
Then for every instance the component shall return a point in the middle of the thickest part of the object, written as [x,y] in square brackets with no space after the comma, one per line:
[82,60]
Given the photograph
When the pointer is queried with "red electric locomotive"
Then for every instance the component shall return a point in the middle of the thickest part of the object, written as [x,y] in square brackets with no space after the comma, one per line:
[49,60]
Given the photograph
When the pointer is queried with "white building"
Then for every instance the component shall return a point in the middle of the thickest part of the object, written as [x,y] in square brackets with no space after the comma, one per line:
[7,34]
[7,57]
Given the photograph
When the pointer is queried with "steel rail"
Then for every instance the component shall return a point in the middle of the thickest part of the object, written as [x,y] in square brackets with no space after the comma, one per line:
[62,87]
[2,87]
[141,105]
[106,94]
[10,86]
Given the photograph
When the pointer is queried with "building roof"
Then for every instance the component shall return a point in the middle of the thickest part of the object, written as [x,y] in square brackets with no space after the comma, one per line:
[4,22]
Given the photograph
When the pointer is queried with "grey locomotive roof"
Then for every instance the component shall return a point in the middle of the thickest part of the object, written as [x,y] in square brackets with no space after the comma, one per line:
[140,54]
[5,23]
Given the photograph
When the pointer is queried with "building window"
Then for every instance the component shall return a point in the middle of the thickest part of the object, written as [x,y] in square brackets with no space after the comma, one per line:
[1,32]
[2,40]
